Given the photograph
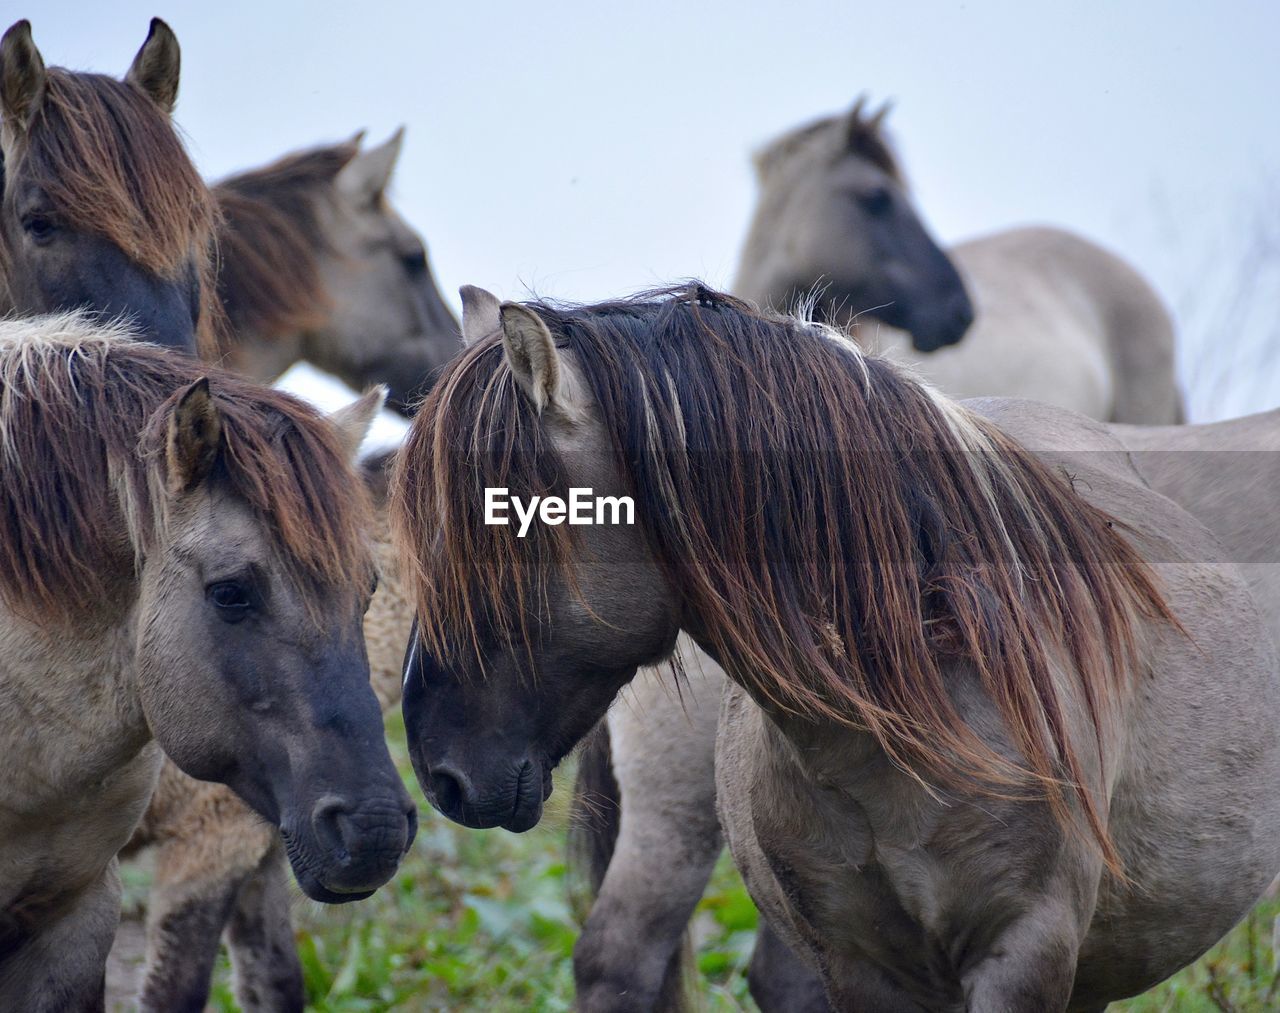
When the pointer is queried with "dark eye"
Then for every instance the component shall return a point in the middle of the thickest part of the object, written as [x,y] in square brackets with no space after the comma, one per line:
[415,263]
[876,201]
[231,599]
[39,227]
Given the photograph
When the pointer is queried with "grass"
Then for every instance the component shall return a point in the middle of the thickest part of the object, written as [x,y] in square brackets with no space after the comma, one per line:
[480,920]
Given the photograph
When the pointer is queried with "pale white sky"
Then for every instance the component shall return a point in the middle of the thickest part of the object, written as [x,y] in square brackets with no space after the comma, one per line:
[588,149]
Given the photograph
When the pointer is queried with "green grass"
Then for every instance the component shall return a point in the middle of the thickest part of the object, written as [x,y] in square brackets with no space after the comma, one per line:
[480,920]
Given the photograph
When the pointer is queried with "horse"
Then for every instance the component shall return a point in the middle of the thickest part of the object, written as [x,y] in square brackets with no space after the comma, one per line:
[219,868]
[1058,320]
[101,208]
[1055,318]
[657,748]
[966,755]
[315,263]
[183,567]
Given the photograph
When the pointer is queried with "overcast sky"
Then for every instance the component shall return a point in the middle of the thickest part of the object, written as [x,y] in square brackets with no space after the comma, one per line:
[585,150]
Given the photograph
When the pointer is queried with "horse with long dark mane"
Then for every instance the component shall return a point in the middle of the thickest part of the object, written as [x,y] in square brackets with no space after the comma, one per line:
[182,562]
[1042,313]
[102,209]
[966,754]
[314,263]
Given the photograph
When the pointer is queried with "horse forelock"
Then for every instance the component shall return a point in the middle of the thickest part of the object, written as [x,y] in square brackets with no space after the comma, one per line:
[842,532]
[270,240]
[84,417]
[112,164]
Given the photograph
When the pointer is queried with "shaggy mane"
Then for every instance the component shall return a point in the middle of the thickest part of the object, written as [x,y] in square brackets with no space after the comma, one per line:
[270,240]
[84,415]
[112,164]
[840,529]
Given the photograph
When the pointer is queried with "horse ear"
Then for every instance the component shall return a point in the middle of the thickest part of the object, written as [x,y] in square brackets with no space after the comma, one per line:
[480,313]
[861,128]
[22,77]
[156,67]
[365,178]
[535,362]
[353,421]
[195,438]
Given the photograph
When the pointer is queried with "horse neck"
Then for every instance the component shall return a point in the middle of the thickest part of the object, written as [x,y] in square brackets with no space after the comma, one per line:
[73,713]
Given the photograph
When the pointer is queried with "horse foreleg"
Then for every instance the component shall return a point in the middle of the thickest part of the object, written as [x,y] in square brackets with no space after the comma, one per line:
[268,974]
[62,967]
[629,956]
[781,982]
[1031,966]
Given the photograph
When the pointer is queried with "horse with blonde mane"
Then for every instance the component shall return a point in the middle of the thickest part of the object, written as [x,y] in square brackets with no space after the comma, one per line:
[966,755]
[184,565]
[101,209]
[315,263]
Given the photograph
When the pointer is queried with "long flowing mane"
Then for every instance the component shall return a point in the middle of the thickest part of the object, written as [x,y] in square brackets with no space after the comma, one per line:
[111,163]
[83,424]
[841,530]
[270,240]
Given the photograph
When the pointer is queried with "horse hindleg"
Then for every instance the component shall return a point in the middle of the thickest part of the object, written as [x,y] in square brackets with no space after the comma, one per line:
[630,953]
[63,968]
[268,974]
[780,982]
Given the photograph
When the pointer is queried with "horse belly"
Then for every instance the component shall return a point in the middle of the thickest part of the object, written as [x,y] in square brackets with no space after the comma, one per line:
[1195,813]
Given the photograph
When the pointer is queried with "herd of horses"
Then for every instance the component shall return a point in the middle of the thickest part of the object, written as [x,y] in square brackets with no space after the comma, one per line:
[934,610]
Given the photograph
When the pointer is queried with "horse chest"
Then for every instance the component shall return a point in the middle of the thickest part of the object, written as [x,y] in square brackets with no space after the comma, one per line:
[859,864]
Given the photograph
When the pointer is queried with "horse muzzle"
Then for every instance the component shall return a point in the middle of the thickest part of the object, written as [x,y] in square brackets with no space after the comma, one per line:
[344,850]
[514,802]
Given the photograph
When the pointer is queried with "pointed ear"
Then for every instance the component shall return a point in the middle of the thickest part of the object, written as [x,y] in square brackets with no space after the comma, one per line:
[365,178]
[353,421]
[22,77]
[480,315]
[876,122]
[534,359]
[195,438]
[156,67]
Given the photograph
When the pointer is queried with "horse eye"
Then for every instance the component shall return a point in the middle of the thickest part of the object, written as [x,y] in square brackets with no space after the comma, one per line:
[876,201]
[415,263]
[39,227]
[231,599]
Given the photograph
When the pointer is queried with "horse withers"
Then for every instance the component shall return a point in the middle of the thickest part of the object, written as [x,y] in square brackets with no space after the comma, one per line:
[101,209]
[184,565]
[966,754]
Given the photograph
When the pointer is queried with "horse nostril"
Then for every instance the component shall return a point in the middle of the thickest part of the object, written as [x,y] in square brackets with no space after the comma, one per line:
[450,790]
[331,821]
